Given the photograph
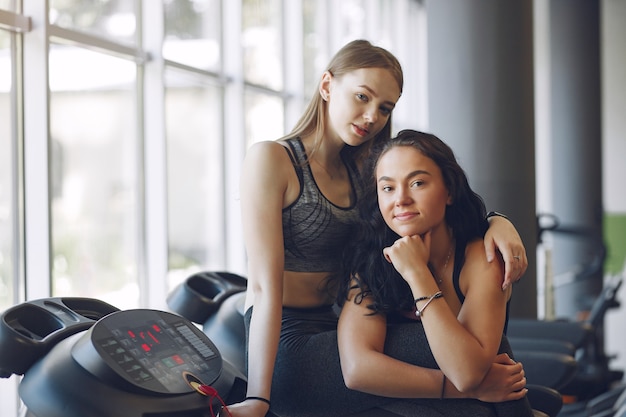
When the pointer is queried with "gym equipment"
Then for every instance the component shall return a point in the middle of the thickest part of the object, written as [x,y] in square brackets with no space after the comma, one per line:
[595,388]
[81,357]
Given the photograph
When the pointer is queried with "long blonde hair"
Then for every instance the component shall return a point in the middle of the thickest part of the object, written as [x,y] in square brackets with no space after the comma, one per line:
[354,55]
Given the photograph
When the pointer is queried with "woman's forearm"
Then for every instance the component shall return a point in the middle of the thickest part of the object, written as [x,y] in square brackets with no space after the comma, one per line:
[263,339]
[379,374]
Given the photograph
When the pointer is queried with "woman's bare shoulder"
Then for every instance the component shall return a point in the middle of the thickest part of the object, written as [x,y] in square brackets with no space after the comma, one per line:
[267,147]
[476,257]
[475,247]
[272,154]
[476,266]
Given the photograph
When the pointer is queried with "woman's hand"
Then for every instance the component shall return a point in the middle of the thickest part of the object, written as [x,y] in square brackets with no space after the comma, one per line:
[503,236]
[247,408]
[505,381]
[409,253]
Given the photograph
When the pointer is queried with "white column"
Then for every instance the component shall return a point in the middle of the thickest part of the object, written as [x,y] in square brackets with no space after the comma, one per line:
[153,250]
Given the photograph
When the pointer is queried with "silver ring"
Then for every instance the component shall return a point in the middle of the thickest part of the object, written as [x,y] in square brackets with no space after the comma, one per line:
[517,257]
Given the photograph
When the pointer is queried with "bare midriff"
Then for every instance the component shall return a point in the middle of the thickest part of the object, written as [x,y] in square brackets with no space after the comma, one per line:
[306,289]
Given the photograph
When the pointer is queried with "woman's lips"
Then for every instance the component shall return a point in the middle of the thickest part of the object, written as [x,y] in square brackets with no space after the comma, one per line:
[405,216]
[360,131]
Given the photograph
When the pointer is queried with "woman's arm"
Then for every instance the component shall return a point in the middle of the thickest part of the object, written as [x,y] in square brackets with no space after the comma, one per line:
[464,348]
[505,381]
[465,344]
[503,236]
[367,368]
[263,186]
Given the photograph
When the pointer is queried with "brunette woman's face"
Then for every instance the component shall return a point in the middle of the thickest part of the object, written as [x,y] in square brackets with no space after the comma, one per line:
[359,103]
[412,195]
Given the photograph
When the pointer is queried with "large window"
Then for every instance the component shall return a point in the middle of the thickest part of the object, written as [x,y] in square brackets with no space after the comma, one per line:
[11,276]
[137,120]
[193,115]
[7,178]
[262,41]
[193,33]
[94,172]
[112,19]
[124,127]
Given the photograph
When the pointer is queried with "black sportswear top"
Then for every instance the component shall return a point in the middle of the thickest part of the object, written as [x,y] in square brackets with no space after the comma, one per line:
[315,230]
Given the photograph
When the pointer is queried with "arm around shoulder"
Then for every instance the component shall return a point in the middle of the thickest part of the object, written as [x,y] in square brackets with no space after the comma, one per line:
[503,236]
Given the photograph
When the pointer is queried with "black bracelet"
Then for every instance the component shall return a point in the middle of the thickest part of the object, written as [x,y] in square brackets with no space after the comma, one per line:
[419,312]
[495,213]
[265,400]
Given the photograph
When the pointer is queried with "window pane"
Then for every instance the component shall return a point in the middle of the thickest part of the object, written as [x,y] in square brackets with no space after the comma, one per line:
[8,387]
[192,33]
[264,117]
[94,176]
[109,18]
[7,5]
[352,20]
[262,41]
[195,175]
[386,23]
[6,174]
[314,56]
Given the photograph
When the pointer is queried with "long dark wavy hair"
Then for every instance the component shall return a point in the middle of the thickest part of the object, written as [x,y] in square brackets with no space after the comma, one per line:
[364,265]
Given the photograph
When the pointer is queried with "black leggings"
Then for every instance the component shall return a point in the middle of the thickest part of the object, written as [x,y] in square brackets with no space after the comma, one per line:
[308,382]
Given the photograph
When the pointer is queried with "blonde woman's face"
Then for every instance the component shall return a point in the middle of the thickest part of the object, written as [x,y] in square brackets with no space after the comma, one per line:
[412,195]
[359,104]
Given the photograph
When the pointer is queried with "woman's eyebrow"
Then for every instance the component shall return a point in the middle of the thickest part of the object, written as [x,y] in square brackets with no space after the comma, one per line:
[409,175]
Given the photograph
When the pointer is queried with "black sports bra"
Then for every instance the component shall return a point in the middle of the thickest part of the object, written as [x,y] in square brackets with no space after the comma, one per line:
[315,230]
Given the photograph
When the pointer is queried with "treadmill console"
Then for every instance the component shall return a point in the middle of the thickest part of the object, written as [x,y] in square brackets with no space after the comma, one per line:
[150,350]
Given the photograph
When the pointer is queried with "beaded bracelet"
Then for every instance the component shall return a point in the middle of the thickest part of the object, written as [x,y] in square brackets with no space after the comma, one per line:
[426,297]
[430,298]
